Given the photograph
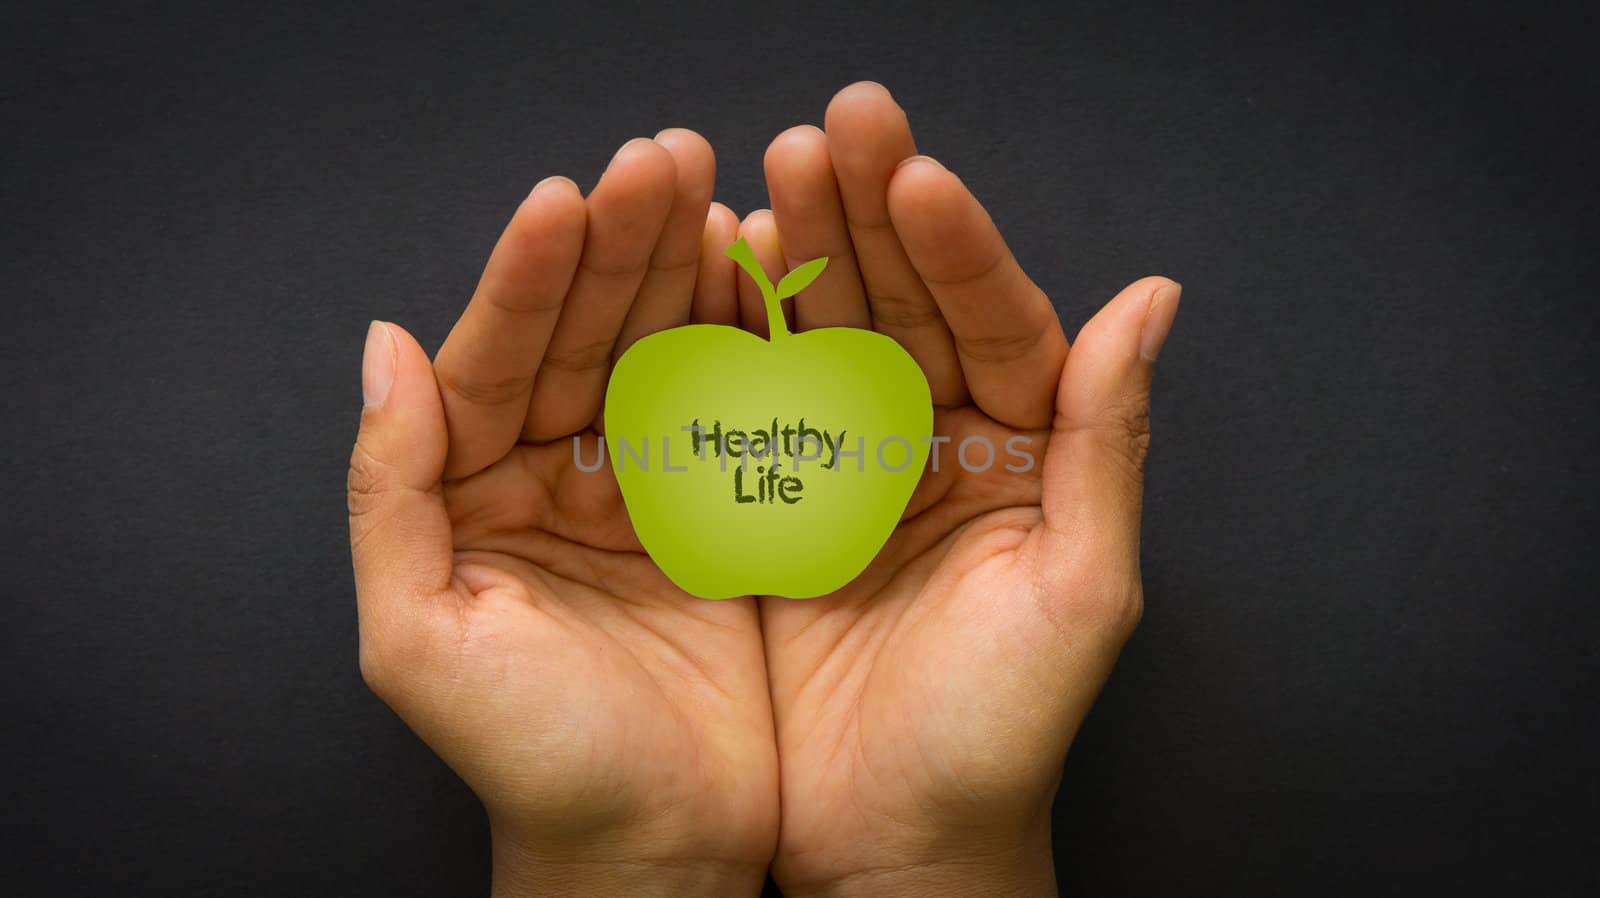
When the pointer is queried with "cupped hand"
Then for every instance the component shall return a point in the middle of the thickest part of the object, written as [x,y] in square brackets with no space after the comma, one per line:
[617,730]
[924,711]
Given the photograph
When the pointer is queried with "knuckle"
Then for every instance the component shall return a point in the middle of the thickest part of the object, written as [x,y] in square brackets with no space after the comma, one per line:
[891,310]
[1114,608]
[1136,429]
[669,267]
[960,277]
[523,307]
[1098,590]
[487,391]
[1125,430]
[627,269]
[364,480]
[585,357]
[999,348]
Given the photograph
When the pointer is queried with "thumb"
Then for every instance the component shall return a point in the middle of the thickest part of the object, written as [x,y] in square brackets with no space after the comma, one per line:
[399,531]
[1094,467]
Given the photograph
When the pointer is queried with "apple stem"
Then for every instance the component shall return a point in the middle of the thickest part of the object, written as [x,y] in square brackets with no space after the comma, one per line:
[741,253]
[777,325]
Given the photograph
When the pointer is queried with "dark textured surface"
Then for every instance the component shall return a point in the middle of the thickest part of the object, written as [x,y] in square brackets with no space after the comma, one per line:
[1367,665]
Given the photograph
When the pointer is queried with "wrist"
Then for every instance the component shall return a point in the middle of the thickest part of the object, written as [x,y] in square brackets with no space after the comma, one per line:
[998,863]
[525,869]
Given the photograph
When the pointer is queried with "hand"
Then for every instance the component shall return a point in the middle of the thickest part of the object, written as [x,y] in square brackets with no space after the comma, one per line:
[924,711]
[618,731]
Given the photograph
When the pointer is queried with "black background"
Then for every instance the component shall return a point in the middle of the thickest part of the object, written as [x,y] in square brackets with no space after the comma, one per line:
[1367,663]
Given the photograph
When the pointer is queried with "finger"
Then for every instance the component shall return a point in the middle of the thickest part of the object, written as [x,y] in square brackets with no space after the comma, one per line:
[867,137]
[485,368]
[1094,466]
[716,290]
[626,212]
[761,232]
[809,215]
[1005,331]
[666,295]
[399,532]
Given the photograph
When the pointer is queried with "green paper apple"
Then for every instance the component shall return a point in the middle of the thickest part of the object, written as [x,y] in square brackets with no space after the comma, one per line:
[766,466]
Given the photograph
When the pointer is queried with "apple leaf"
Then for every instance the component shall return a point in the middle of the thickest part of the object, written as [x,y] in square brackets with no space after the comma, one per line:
[801,277]
[741,253]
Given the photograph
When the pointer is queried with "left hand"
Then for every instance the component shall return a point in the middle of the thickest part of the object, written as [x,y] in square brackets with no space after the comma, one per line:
[617,730]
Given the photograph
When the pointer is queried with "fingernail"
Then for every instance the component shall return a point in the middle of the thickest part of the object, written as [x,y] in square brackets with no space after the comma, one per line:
[551,180]
[885,91]
[928,159]
[628,144]
[1158,320]
[377,365]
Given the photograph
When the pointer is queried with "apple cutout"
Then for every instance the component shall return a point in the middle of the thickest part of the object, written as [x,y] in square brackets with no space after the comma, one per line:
[766,466]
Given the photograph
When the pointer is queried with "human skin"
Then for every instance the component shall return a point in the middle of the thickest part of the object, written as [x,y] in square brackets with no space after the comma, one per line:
[924,711]
[902,736]
[617,730]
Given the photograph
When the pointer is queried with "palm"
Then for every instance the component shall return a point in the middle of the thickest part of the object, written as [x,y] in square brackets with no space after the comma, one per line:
[905,689]
[587,661]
